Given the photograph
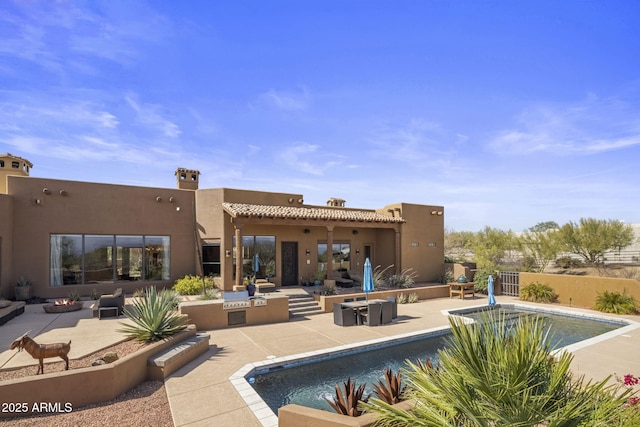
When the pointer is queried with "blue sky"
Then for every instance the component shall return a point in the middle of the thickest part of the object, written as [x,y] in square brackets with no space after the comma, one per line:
[508,113]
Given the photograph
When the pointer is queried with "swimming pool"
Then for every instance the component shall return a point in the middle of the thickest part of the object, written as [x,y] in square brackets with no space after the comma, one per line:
[306,379]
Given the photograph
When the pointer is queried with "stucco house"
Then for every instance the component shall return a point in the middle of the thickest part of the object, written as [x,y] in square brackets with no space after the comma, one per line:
[93,237]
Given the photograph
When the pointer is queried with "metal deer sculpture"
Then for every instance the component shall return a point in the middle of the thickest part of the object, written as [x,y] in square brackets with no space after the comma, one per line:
[42,351]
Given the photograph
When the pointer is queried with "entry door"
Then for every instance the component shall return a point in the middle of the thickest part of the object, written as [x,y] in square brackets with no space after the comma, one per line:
[289,263]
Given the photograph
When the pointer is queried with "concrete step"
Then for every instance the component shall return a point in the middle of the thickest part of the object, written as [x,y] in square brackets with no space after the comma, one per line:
[303,305]
[163,364]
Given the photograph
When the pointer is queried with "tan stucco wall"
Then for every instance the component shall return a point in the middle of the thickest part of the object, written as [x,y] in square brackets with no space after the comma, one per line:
[426,292]
[6,243]
[581,291]
[422,246]
[85,386]
[89,208]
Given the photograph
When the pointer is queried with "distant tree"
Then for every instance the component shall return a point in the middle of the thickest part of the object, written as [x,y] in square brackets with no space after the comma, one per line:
[541,246]
[544,226]
[490,246]
[457,242]
[591,238]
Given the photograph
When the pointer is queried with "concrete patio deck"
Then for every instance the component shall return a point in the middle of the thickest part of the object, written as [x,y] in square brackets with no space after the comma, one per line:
[201,394]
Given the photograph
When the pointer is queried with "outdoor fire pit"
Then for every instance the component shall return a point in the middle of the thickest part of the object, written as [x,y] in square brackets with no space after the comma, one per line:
[62,306]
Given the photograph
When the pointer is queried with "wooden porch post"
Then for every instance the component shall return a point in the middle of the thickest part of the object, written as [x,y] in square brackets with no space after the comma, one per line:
[329,250]
[239,259]
[397,249]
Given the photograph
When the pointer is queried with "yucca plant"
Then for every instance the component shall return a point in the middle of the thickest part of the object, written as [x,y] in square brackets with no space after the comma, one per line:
[154,316]
[391,390]
[348,403]
[413,298]
[538,292]
[615,302]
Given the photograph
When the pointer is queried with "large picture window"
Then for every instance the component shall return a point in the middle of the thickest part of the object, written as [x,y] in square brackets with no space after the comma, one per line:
[341,256]
[258,256]
[90,258]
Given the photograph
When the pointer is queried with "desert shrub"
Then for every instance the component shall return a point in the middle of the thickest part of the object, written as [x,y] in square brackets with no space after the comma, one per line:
[73,296]
[615,302]
[401,299]
[568,262]
[481,278]
[210,294]
[390,391]
[154,316]
[95,295]
[402,280]
[380,276]
[446,277]
[329,289]
[192,285]
[538,292]
[348,403]
[413,298]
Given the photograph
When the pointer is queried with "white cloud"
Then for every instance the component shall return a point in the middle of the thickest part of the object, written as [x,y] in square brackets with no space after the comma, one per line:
[151,117]
[593,126]
[286,100]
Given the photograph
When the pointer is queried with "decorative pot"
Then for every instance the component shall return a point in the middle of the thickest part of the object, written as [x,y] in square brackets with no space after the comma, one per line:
[251,289]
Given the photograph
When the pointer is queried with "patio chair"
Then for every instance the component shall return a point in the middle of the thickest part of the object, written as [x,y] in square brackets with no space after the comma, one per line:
[372,316]
[387,312]
[394,301]
[343,316]
[114,302]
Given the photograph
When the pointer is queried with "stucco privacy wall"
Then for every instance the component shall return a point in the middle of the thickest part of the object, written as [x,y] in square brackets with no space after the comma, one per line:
[73,207]
[582,291]
[6,242]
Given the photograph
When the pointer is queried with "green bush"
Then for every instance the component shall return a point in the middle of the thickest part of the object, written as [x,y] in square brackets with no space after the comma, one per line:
[192,285]
[568,262]
[615,302]
[538,292]
[154,316]
[480,279]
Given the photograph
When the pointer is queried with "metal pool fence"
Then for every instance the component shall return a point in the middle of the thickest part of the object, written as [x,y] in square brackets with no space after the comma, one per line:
[510,283]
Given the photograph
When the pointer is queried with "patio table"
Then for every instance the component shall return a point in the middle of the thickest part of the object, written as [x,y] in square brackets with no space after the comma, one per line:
[362,304]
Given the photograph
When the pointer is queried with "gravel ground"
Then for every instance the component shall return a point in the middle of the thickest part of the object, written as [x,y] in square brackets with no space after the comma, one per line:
[146,404]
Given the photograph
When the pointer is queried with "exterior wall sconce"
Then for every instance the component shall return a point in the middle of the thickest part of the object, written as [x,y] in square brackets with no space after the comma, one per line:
[158,199]
[63,193]
[46,191]
[308,252]
[354,232]
[307,231]
[357,251]
[227,253]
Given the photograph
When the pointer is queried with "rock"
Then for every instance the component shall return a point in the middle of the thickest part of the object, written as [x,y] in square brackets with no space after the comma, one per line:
[98,362]
[110,357]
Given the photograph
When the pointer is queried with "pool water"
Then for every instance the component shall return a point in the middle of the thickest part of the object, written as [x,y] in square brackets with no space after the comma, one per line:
[309,383]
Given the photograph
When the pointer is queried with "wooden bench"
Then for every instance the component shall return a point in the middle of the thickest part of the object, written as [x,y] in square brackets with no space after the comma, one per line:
[461,289]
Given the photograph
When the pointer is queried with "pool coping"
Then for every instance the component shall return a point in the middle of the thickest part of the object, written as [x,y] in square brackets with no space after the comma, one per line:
[240,378]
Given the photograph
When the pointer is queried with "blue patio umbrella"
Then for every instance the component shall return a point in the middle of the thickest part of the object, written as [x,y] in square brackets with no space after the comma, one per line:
[492,298]
[367,278]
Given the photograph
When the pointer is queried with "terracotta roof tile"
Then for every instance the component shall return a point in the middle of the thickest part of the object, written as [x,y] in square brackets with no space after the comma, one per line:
[307,212]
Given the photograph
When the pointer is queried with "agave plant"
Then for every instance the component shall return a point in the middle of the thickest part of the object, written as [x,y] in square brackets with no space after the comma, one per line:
[154,316]
[349,402]
[391,391]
